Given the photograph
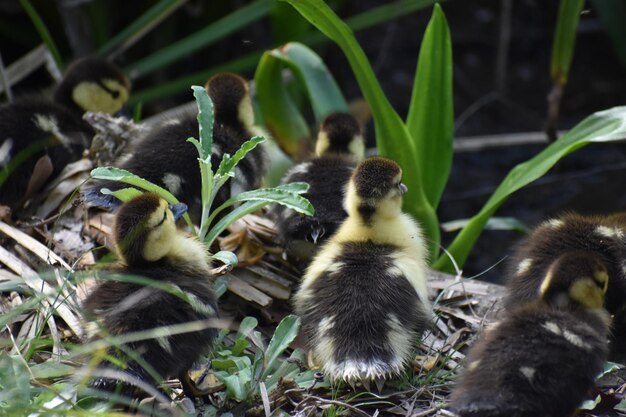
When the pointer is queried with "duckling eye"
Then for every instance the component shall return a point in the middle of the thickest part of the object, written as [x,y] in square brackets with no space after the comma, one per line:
[163,219]
[115,94]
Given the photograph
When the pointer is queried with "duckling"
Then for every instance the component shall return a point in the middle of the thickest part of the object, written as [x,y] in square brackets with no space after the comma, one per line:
[363,300]
[542,357]
[599,235]
[338,149]
[149,245]
[164,156]
[39,137]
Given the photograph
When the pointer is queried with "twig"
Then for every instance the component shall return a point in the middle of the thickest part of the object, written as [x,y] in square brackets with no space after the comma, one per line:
[321,400]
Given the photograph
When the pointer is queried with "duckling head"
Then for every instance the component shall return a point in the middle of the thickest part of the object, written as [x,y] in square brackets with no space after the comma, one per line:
[231,99]
[340,133]
[93,84]
[375,190]
[145,228]
[577,278]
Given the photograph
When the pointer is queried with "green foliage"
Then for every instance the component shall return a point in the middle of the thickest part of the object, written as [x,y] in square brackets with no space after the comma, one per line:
[41,28]
[565,39]
[612,13]
[604,126]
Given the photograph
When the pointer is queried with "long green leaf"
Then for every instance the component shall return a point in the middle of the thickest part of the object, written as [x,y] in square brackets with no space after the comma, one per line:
[431,115]
[205,123]
[285,333]
[392,137]
[228,163]
[144,24]
[280,113]
[565,39]
[43,31]
[215,31]
[118,174]
[605,126]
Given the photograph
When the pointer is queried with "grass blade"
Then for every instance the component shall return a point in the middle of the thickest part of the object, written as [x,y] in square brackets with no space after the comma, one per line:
[604,126]
[430,119]
[565,39]
[43,31]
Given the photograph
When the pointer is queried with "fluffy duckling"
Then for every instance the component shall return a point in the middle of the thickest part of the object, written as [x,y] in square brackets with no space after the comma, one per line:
[39,137]
[363,300]
[338,149]
[602,236]
[149,245]
[542,358]
[164,156]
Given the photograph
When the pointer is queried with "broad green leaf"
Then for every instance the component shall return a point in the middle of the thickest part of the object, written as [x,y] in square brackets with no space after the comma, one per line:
[280,113]
[565,39]
[220,285]
[125,194]
[205,123]
[246,326]
[141,26]
[430,119]
[392,137]
[118,174]
[319,84]
[14,380]
[275,195]
[228,163]
[236,385]
[208,35]
[226,257]
[285,333]
[604,126]
[239,346]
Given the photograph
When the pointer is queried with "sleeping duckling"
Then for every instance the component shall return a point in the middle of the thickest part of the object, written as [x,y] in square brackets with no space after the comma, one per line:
[542,357]
[338,149]
[149,245]
[164,157]
[599,235]
[363,300]
[39,137]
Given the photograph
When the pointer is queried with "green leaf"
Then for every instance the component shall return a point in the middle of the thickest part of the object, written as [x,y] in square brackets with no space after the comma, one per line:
[226,257]
[604,126]
[41,28]
[237,384]
[228,163]
[48,370]
[125,194]
[494,223]
[118,174]
[240,18]
[14,380]
[239,346]
[275,195]
[246,326]
[612,14]
[278,110]
[392,137]
[286,23]
[430,119]
[565,39]
[205,124]
[220,286]
[284,334]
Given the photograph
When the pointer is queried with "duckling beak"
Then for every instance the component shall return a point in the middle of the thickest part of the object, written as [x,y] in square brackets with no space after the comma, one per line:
[403,188]
[178,210]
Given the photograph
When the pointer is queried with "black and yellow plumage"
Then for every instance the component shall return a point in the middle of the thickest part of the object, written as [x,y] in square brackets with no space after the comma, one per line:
[542,357]
[364,299]
[339,148]
[150,246]
[164,156]
[39,137]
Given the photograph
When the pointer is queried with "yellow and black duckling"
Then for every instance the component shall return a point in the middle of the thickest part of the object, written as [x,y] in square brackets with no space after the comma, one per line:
[602,236]
[542,357]
[164,156]
[363,300]
[338,149]
[150,246]
[39,137]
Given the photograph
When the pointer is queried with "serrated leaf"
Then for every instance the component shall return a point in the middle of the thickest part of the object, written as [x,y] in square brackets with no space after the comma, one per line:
[125,194]
[275,195]
[226,257]
[205,121]
[228,163]
[285,333]
[604,126]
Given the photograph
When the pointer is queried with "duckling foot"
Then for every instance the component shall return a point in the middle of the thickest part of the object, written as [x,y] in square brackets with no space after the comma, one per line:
[190,388]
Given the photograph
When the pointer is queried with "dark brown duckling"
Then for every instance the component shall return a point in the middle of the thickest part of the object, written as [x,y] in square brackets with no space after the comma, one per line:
[150,246]
[40,137]
[164,156]
[541,359]
[338,149]
[363,300]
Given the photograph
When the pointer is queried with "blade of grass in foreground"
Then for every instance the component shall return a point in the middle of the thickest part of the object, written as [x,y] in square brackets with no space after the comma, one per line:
[604,126]
[43,31]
